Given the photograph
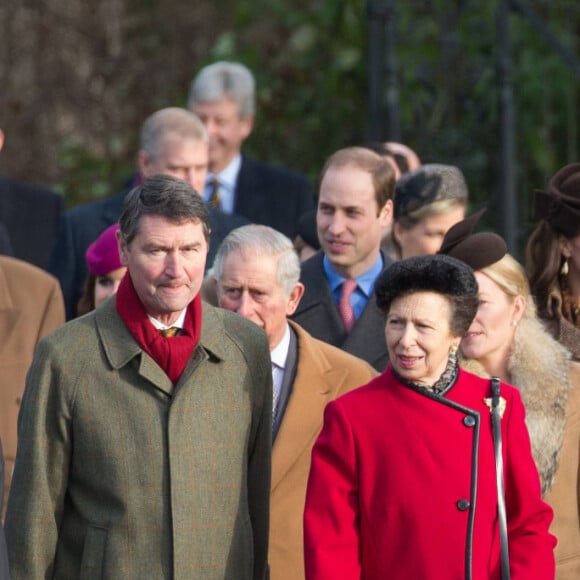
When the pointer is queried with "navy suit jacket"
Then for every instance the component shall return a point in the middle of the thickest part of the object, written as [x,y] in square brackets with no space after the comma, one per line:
[82,225]
[30,215]
[272,196]
[317,313]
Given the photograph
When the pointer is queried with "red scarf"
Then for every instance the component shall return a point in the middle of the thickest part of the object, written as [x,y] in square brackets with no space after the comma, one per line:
[171,354]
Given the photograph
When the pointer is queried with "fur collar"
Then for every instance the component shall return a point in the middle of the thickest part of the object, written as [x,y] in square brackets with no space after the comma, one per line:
[538,367]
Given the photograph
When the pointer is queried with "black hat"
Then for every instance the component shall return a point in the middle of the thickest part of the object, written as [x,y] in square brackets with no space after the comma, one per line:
[560,205]
[477,250]
[431,273]
[306,229]
[427,184]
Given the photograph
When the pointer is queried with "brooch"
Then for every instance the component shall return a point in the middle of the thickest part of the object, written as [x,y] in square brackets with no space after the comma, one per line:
[502,405]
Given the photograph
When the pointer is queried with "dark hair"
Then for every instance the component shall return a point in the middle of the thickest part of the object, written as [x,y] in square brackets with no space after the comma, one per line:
[444,275]
[165,196]
[86,302]
[544,261]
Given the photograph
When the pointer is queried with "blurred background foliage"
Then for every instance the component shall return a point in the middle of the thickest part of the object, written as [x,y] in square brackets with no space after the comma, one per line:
[78,79]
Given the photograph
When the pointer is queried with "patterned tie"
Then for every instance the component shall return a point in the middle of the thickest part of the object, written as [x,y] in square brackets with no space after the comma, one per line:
[169,332]
[214,197]
[344,306]
[275,395]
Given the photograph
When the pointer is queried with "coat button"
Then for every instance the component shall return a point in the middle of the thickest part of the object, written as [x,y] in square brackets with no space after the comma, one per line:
[462,505]
[469,421]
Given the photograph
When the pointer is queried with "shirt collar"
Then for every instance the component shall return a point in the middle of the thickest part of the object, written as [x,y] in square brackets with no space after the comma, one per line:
[229,175]
[280,352]
[178,323]
[365,282]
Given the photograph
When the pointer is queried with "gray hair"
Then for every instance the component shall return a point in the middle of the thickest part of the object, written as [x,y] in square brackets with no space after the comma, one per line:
[224,79]
[259,240]
[165,196]
[171,122]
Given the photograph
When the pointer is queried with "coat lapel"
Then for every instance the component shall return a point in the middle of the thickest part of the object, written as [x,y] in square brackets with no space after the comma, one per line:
[315,385]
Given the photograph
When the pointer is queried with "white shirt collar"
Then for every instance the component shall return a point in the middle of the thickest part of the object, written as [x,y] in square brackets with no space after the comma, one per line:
[280,352]
[178,323]
[229,175]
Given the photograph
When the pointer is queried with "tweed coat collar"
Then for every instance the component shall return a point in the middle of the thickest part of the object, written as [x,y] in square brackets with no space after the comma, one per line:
[120,347]
[539,368]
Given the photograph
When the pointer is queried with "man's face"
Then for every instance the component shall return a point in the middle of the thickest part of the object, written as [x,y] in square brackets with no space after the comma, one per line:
[183,159]
[348,220]
[249,287]
[166,263]
[227,130]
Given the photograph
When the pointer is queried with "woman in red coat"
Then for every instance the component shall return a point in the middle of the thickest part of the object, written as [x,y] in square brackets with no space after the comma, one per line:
[403,476]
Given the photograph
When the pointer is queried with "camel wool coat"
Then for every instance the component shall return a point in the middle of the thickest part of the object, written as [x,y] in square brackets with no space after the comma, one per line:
[323,373]
[121,474]
[31,305]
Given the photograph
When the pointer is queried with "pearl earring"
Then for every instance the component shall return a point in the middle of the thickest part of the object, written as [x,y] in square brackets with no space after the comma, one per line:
[564,269]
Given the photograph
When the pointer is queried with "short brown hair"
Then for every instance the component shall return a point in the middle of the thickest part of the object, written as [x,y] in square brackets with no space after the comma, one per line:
[378,167]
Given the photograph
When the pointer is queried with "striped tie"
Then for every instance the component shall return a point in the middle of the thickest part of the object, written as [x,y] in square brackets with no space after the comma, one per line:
[214,198]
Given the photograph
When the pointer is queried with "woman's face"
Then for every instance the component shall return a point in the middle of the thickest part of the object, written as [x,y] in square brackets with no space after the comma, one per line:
[491,333]
[426,236]
[108,284]
[419,336]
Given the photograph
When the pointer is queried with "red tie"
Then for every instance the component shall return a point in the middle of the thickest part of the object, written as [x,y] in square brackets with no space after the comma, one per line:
[344,306]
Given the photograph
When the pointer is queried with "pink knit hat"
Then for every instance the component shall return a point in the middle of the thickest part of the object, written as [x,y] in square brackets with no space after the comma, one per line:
[103,254]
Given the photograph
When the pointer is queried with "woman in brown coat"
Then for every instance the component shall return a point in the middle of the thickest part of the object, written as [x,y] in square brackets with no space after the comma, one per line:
[507,339]
[553,257]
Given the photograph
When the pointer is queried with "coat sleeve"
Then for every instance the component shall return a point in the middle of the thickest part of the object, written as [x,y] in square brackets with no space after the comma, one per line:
[331,516]
[531,546]
[259,467]
[38,488]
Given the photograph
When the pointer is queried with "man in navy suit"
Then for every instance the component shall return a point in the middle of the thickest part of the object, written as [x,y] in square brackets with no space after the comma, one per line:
[223,96]
[355,208]
[29,217]
[174,142]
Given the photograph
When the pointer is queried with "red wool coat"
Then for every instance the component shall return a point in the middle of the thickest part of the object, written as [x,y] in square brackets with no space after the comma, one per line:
[402,485]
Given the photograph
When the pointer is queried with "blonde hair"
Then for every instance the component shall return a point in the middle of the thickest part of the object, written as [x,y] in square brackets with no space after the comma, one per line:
[510,276]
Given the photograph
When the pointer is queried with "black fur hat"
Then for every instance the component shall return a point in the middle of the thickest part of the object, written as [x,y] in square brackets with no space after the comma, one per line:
[432,273]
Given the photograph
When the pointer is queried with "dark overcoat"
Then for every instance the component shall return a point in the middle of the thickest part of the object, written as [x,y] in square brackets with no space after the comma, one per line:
[318,314]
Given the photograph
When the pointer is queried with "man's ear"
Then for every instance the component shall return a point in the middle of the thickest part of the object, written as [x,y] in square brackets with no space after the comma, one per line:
[247,126]
[294,298]
[143,163]
[122,248]
[1,139]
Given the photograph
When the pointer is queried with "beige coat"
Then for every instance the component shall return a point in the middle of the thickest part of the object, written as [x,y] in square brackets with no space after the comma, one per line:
[122,475]
[324,372]
[550,386]
[31,305]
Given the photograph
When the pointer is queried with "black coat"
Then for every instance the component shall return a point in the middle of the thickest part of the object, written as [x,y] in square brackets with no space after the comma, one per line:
[272,196]
[30,215]
[317,313]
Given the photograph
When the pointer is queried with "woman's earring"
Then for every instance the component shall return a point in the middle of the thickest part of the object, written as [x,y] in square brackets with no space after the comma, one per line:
[564,268]
[453,354]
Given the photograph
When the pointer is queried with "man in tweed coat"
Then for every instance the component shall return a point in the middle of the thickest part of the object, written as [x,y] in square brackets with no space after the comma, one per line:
[140,455]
